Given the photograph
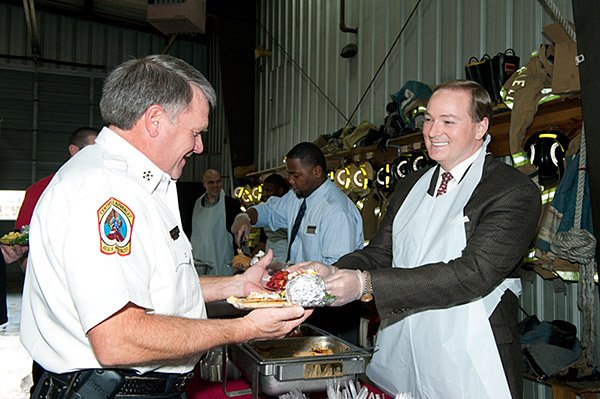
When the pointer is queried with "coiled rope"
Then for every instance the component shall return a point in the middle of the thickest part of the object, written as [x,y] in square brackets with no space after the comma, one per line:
[578,245]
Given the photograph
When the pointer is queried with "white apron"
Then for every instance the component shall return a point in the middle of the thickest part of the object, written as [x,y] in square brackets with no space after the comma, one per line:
[447,353]
[210,239]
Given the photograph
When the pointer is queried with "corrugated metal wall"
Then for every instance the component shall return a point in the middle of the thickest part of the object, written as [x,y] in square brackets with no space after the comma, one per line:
[305,89]
[41,104]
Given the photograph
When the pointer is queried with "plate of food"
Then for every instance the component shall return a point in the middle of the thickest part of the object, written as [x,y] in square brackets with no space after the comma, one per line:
[302,287]
[15,238]
[257,300]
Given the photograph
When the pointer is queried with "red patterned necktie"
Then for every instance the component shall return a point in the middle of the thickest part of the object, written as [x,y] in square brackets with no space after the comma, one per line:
[446,177]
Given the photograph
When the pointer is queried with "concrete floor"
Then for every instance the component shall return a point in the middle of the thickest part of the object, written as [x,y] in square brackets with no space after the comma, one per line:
[15,363]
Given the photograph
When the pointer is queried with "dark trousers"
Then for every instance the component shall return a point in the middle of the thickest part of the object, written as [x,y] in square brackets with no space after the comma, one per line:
[3,308]
[36,374]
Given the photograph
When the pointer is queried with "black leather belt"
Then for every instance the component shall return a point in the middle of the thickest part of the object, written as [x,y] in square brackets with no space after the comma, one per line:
[147,385]
[154,383]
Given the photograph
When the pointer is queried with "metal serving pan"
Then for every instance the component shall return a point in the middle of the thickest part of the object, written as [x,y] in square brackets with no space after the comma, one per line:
[275,367]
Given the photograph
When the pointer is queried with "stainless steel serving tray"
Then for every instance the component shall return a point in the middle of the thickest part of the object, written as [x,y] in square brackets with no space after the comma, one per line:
[275,367]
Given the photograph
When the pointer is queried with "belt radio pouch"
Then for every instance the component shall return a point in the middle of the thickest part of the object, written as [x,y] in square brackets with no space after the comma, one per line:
[96,384]
[50,386]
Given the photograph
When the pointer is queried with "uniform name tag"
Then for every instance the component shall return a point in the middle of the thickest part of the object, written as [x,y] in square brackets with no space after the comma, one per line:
[311,229]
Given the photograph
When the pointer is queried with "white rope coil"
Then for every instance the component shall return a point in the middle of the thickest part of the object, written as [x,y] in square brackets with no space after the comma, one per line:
[575,245]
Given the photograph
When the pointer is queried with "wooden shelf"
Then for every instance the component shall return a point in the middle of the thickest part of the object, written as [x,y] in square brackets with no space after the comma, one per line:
[562,114]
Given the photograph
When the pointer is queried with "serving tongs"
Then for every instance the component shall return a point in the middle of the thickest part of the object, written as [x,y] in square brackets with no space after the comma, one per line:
[244,247]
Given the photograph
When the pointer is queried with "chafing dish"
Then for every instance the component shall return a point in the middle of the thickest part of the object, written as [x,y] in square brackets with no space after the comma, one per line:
[275,367]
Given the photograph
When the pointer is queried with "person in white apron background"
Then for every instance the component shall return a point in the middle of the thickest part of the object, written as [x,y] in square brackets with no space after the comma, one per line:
[274,185]
[212,218]
[443,265]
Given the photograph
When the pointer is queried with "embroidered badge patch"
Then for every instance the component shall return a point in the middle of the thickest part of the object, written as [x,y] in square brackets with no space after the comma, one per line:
[115,221]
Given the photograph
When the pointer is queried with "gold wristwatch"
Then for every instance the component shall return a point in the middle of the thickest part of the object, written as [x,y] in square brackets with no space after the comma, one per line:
[367,295]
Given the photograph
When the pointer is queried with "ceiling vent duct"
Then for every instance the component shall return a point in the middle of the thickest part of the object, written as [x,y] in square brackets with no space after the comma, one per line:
[177,16]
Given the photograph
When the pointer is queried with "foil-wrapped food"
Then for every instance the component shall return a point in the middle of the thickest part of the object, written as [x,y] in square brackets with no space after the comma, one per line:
[307,289]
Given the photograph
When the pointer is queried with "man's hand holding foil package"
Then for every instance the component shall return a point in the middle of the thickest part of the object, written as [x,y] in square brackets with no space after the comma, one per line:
[343,284]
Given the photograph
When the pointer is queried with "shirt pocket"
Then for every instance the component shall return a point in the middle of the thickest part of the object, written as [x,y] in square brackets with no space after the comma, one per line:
[181,252]
[309,238]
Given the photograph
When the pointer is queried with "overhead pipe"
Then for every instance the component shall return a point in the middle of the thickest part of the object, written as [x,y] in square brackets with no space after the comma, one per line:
[31,21]
[343,26]
[170,43]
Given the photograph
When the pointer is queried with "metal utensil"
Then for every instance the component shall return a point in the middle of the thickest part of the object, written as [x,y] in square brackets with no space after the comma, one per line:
[362,394]
[331,394]
[352,388]
[244,247]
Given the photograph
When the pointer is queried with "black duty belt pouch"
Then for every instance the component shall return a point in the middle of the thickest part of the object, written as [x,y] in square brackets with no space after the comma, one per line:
[96,384]
[51,386]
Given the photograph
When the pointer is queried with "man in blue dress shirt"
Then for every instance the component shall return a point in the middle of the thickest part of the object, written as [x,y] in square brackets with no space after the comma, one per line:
[328,228]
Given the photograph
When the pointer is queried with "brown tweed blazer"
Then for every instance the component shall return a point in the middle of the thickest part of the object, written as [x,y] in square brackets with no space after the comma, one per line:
[503,213]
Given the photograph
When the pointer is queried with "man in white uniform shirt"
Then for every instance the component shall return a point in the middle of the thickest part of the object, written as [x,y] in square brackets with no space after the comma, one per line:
[110,282]
[212,218]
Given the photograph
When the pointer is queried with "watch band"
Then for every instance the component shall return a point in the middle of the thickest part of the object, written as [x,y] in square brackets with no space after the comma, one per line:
[367,295]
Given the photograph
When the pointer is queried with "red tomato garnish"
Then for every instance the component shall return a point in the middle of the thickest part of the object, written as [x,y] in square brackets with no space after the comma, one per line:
[278,280]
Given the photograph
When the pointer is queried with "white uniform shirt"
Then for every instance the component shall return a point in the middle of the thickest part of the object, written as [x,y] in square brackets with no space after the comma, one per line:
[106,231]
[331,227]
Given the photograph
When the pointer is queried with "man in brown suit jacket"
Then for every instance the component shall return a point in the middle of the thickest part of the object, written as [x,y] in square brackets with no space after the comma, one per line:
[498,221]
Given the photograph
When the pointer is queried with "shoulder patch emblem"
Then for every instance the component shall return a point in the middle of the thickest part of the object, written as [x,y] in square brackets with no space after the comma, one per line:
[115,222]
